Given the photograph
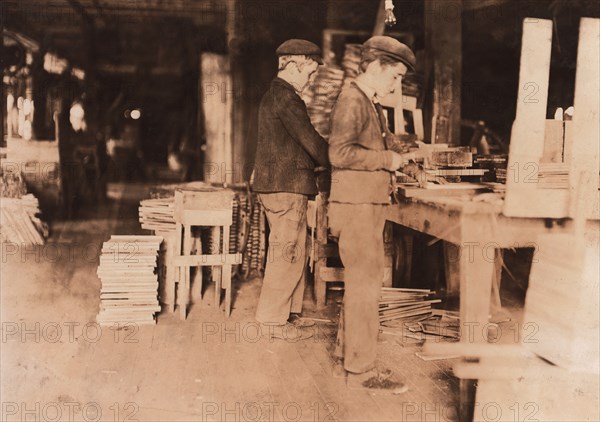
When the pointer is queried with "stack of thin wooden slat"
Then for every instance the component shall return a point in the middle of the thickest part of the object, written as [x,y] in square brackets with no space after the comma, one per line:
[253,260]
[553,176]
[19,222]
[129,281]
[405,304]
[438,325]
[351,61]
[157,214]
[12,184]
[322,97]
[234,231]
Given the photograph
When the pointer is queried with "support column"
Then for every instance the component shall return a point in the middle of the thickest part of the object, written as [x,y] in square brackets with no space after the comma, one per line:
[443,43]
[238,143]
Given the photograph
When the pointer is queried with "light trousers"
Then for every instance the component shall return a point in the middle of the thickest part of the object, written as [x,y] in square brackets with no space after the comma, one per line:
[283,285]
[359,228]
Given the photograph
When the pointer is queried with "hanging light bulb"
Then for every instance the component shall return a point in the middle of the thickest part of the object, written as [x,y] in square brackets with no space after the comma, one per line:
[390,18]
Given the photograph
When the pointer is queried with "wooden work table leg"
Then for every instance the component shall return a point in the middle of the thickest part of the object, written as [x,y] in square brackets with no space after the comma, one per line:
[476,271]
[168,273]
[452,267]
[320,285]
[467,390]
[217,272]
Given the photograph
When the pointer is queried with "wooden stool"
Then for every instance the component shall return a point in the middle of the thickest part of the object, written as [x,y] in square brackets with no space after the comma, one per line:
[204,209]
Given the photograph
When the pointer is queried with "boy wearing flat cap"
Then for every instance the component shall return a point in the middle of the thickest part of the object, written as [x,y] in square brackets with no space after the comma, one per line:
[362,168]
[288,150]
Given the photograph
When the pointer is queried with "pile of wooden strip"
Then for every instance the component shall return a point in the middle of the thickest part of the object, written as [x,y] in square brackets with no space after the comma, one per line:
[19,222]
[12,184]
[234,230]
[322,97]
[129,292]
[351,61]
[495,163]
[439,325]
[501,175]
[253,261]
[157,214]
[553,176]
[405,304]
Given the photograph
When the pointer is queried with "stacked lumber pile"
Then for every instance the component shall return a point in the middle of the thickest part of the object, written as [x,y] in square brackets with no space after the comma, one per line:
[322,97]
[20,223]
[253,259]
[405,305]
[351,62]
[129,292]
[438,325]
[495,163]
[157,214]
[501,175]
[553,176]
[12,184]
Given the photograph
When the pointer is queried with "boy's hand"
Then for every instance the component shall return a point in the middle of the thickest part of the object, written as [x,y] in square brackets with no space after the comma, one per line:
[414,171]
[397,162]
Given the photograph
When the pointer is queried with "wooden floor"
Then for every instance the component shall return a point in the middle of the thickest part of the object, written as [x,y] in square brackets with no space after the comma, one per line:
[202,369]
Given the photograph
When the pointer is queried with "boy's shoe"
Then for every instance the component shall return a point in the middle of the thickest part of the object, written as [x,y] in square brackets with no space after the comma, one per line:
[376,381]
[298,321]
[287,331]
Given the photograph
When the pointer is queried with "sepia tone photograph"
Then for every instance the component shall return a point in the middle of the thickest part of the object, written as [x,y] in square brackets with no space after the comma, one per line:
[300,211]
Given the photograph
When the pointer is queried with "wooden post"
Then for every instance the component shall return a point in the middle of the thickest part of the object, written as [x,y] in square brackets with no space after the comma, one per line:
[443,43]
[379,28]
[527,137]
[586,118]
[216,77]
[237,138]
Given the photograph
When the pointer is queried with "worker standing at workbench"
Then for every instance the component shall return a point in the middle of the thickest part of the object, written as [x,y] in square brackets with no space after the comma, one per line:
[362,174]
[288,150]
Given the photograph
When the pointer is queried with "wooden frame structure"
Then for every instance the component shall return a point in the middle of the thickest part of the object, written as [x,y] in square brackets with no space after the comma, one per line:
[204,209]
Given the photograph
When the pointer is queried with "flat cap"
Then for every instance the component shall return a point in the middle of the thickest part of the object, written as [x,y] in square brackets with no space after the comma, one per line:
[392,48]
[296,47]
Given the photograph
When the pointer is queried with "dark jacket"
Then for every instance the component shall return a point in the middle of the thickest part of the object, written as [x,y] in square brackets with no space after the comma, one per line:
[289,147]
[357,151]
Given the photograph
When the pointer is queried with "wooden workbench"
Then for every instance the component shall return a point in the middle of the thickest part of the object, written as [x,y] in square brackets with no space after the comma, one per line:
[478,229]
